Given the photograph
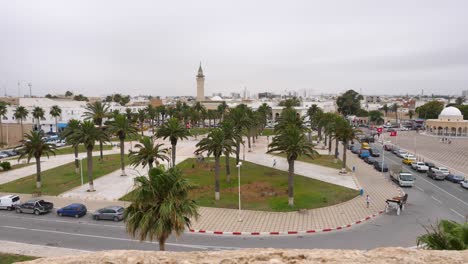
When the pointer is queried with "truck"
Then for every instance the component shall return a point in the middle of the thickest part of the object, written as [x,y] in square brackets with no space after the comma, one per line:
[403,178]
[36,206]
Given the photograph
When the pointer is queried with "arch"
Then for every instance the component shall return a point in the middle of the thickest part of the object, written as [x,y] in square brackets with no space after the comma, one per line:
[453,131]
[459,133]
[465,131]
[277,115]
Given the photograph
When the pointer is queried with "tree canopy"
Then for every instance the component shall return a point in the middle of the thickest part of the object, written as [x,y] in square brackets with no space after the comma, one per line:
[349,103]
[430,110]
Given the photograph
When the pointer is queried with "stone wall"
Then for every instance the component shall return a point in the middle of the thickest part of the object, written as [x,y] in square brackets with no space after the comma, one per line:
[273,256]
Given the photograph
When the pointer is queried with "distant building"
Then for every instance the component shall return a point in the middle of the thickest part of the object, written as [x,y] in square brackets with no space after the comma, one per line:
[465,93]
[200,85]
[265,95]
[449,123]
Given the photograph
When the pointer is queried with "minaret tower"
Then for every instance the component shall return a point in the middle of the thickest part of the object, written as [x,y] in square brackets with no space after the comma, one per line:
[200,85]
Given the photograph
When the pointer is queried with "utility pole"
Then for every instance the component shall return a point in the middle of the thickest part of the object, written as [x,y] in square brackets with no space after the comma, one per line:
[30,93]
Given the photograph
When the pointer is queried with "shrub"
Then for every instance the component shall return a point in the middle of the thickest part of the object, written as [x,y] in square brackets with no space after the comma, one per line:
[5,165]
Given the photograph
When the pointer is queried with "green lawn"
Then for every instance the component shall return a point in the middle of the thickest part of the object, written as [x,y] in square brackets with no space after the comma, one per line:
[12,258]
[263,188]
[81,149]
[63,178]
[322,160]
[17,166]
[268,132]
[200,130]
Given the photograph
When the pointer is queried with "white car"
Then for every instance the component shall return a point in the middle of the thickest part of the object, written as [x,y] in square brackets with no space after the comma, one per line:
[464,184]
[444,170]
[419,166]
[408,156]
[9,202]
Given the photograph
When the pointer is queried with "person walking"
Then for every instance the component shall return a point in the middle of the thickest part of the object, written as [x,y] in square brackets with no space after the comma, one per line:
[274,163]
[367,201]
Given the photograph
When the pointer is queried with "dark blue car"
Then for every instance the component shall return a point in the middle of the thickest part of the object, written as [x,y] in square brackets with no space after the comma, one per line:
[75,210]
[455,178]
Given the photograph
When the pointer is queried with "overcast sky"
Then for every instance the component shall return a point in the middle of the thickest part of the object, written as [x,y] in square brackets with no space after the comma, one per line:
[154,47]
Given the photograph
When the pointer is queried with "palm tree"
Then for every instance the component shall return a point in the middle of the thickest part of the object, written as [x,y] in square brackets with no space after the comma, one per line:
[97,111]
[121,127]
[3,112]
[148,152]
[385,109]
[151,112]
[160,205]
[88,134]
[311,112]
[238,116]
[345,132]
[265,112]
[141,118]
[222,109]
[20,114]
[173,130]
[215,143]
[55,112]
[447,235]
[292,142]
[67,133]
[411,114]
[395,109]
[35,146]
[38,113]
[231,134]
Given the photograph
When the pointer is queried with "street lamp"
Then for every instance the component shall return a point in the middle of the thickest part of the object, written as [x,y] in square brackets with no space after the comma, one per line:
[243,150]
[238,182]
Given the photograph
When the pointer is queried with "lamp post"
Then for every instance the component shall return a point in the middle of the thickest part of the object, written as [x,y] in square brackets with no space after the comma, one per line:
[243,150]
[238,182]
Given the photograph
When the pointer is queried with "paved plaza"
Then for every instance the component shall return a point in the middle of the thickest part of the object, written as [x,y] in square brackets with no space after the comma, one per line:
[431,148]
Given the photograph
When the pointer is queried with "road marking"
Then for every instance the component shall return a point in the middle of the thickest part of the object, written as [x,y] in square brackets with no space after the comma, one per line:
[462,216]
[435,199]
[419,188]
[116,238]
[444,191]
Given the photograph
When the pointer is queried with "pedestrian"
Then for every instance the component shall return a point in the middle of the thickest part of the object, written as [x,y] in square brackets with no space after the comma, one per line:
[367,200]
[354,169]
[274,163]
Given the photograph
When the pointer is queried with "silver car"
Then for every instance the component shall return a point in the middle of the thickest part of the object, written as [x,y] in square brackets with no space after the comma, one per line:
[115,213]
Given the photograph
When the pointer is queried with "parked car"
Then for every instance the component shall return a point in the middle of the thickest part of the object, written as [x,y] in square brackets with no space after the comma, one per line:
[436,175]
[369,160]
[455,178]
[11,153]
[355,150]
[76,210]
[408,155]
[3,155]
[114,213]
[464,184]
[35,206]
[401,153]
[395,150]
[444,170]
[388,147]
[364,153]
[374,152]
[379,164]
[408,161]
[430,165]
[419,166]
[9,202]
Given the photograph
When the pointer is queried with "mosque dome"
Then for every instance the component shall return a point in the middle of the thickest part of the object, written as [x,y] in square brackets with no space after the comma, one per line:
[451,113]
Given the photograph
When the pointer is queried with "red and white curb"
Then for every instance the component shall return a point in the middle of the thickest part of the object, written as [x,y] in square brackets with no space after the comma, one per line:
[283,233]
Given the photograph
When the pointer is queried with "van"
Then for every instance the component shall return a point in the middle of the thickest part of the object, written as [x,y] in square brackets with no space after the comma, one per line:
[9,202]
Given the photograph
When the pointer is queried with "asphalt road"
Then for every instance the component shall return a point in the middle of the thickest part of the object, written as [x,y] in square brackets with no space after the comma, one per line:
[428,201]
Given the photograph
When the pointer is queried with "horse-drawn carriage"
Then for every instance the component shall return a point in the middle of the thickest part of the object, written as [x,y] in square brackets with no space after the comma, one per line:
[398,203]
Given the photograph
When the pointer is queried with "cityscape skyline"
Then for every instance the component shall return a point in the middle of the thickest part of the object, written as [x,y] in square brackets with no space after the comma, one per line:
[156,49]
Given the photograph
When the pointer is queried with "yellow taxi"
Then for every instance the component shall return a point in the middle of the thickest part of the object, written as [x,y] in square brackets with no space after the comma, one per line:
[365,145]
[408,161]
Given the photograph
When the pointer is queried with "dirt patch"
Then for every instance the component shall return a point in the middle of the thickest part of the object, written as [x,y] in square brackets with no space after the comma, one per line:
[258,191]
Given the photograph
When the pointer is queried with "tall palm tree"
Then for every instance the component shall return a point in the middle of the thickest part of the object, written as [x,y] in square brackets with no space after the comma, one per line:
[174,130]
[385,109]
[447,235]
[161,113]
[160,206]
[97,111]
[395,109]
[121,127]
[35,146]
[88,134]
[238,116]
[67,133]
[148,153]
[3,112]
[265,112]
[151,113]
[55,111]
[215,143]
[38,113]
[141,119]
[222,109]
[311,112]
[345,132]
[20,113]
[411,114]
[291,141]
[229,134]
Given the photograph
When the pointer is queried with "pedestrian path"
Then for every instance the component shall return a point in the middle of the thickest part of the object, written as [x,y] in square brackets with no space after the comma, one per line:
[46,164]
